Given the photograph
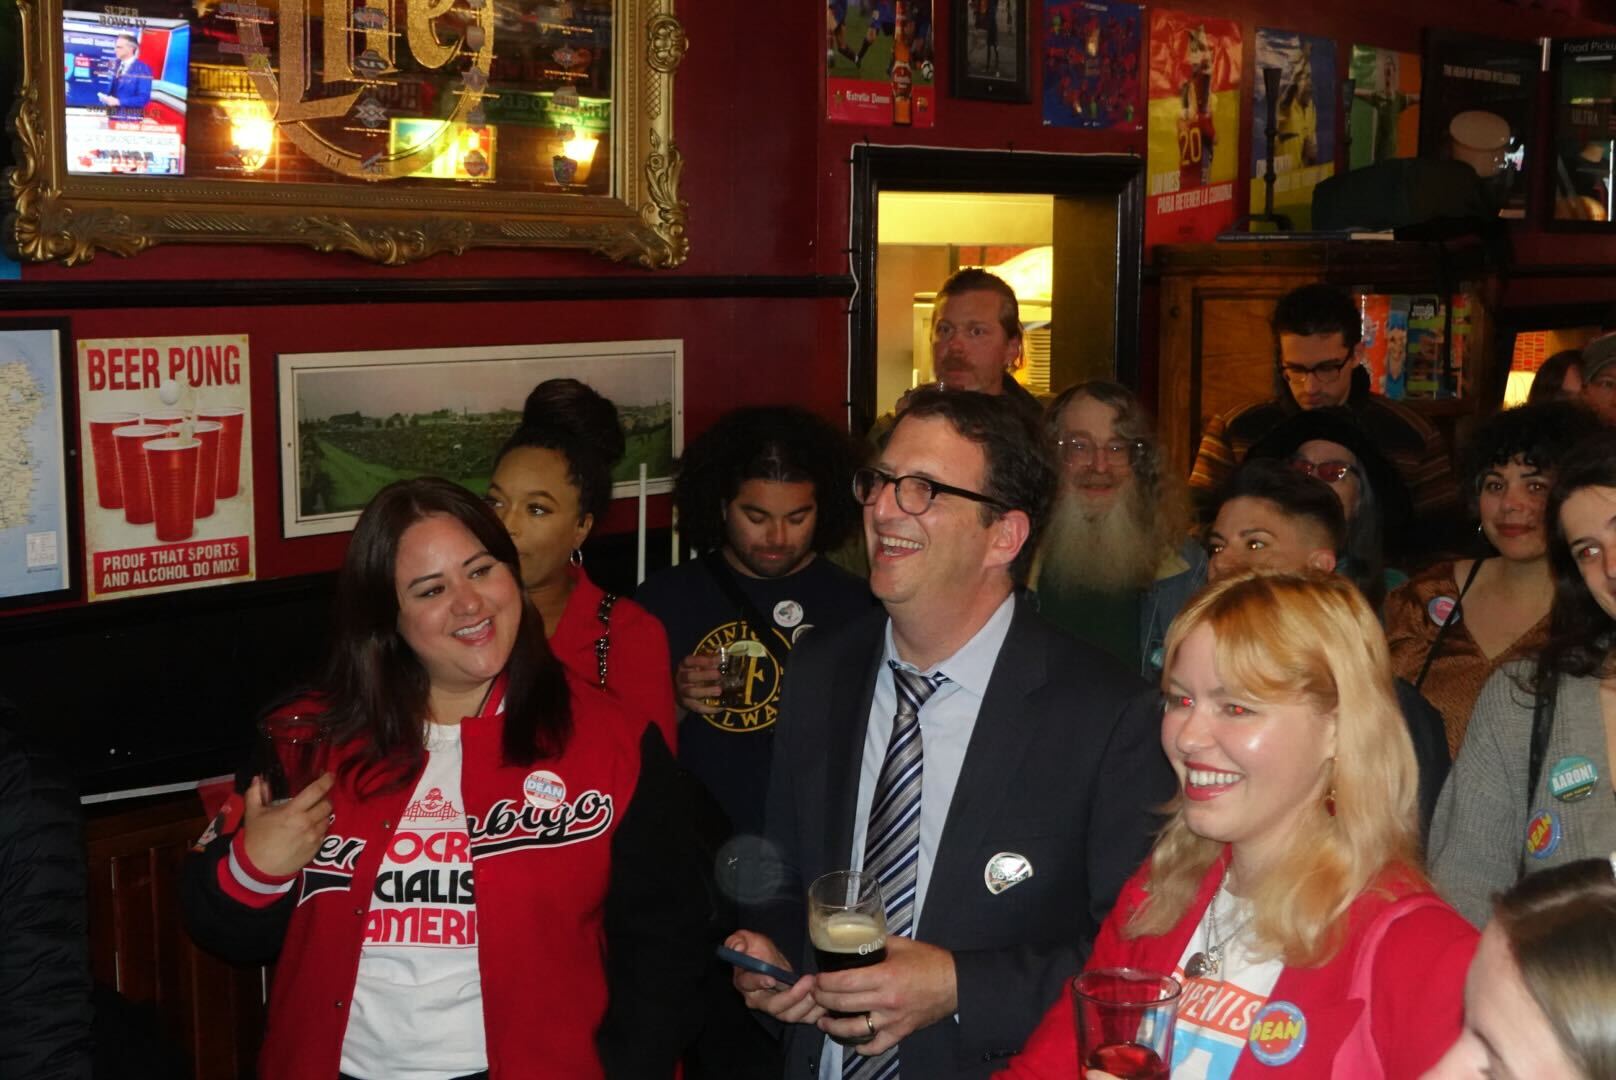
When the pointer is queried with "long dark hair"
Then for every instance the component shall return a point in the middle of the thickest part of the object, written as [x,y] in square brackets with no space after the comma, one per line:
[1581,634]
[575,421]
[779,443]
[376,689]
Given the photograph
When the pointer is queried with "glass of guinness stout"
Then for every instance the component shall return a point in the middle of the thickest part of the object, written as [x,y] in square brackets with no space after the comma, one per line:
[847,922]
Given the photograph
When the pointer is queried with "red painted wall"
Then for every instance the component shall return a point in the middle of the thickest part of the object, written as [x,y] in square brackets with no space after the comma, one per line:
[767,181]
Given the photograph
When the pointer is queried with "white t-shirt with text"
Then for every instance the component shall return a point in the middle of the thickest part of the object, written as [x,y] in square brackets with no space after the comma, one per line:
[417,1011]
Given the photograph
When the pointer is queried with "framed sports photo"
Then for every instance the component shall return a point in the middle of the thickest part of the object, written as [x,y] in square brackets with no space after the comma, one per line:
[990,50]
[353,422]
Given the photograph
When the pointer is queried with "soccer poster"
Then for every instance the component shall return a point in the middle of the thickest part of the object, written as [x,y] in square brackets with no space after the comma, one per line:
[166,428]
[1304,122]
[1385,119]
[879,63]
[1194,135]
[1091,65]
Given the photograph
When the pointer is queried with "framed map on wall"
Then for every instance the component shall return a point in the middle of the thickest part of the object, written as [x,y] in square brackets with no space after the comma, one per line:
[36,557]
[353,422]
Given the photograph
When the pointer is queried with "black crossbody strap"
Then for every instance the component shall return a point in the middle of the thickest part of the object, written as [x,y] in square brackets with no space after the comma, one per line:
[1537,749]
[1442,631]
[724,578]
[1542,728]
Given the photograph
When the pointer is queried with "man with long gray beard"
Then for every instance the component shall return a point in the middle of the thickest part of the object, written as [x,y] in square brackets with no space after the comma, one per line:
[1117,561]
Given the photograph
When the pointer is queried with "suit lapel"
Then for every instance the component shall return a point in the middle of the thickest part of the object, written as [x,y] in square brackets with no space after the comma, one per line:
[998,743]
[844,750]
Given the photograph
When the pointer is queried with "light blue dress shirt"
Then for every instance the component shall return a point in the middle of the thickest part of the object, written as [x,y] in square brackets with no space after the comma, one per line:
[947,720]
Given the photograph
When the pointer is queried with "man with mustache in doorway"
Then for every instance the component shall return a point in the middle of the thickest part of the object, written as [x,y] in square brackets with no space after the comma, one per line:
[975,343]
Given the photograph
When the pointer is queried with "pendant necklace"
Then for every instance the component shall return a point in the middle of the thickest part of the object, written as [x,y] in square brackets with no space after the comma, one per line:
[1207,963]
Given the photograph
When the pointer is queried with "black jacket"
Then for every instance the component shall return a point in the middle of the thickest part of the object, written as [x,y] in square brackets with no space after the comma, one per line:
[45,1009]
[1064,767]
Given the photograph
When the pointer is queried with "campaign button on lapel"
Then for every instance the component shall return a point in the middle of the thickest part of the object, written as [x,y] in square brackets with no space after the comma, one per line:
[544,790]
[1004,870]
[1278,1033]
[1440,608]
[1573,778]
[1543,834]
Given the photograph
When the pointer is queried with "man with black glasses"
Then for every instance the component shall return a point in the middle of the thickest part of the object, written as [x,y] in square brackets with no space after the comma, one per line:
[996,777]
[1317,332]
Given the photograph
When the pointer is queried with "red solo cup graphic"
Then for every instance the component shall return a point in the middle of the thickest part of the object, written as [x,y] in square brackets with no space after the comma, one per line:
[130,442]
[207,468]
[172,465]
[108,488]
[165,417]
[231,417]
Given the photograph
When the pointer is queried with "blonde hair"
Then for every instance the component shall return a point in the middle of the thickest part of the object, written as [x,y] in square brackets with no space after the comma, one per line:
[1301,638]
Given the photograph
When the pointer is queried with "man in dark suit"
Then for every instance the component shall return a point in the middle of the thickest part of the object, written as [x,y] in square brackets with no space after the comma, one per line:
[995,775]
[130,88]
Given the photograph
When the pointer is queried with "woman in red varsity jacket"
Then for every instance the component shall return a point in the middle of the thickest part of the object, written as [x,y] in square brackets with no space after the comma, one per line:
[552,481]
[495,878]
[1284,894]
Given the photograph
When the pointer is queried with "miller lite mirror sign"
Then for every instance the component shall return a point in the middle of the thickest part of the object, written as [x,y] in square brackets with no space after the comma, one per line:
[391,129]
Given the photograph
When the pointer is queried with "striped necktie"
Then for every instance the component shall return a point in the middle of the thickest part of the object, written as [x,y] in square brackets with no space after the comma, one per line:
[892,841]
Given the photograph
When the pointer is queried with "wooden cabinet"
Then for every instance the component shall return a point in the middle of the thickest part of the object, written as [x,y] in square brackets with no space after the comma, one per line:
[211,1011]
[1216,348]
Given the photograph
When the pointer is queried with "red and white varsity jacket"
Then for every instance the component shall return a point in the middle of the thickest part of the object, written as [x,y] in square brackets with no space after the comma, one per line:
[590,906]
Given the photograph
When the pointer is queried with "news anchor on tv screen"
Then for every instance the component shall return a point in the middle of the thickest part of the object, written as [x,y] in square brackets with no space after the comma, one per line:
[129,89]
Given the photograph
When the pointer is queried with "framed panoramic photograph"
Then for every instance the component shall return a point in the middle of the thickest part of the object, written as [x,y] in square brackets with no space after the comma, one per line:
[389,129]
[990,50]
[37,489]
[353,422]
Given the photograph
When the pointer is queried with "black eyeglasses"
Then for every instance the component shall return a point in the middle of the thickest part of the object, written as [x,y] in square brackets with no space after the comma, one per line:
[1325,372]
[913,493]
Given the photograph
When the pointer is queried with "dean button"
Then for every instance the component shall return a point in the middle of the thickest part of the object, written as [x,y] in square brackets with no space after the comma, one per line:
[338,1004]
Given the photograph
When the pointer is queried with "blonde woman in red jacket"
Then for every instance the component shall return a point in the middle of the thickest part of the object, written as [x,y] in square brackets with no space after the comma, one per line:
[1284,894]
[496,879]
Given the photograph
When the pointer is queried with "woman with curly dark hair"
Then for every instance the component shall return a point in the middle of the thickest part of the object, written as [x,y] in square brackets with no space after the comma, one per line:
[1453,625]
[1532,784]
[552,482]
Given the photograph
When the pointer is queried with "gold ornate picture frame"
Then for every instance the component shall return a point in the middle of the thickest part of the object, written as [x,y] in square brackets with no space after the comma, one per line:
[388,129]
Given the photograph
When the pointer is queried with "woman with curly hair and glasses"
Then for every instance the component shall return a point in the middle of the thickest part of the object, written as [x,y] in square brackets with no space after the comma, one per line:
[1458,621]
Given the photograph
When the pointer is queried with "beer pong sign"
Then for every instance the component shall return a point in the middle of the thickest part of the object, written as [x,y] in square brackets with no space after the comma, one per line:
[166,435]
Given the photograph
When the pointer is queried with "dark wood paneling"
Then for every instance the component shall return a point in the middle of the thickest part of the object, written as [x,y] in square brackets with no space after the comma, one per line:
[138,945]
